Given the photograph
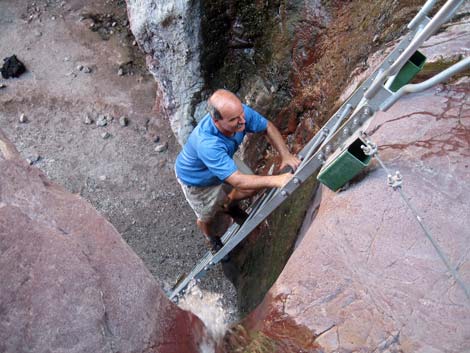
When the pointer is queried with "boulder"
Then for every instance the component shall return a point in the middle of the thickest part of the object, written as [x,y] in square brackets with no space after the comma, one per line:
[69,282]
[364,277]
[168,32]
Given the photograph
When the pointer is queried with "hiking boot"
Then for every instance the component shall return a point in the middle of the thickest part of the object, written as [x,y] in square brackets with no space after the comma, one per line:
[215,244]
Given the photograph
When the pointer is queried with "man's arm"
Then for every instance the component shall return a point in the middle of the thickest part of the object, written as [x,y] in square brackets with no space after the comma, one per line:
[277,141]
[256,182]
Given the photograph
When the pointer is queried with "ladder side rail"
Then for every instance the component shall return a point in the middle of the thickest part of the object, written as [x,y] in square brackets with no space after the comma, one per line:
[233,229]
[422,13]
[433,25]
[342,116]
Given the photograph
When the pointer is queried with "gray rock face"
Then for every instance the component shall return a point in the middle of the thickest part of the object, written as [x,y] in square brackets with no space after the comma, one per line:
[169,32]
[69,282]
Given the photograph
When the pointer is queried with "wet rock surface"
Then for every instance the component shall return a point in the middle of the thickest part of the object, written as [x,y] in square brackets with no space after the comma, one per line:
[70,282]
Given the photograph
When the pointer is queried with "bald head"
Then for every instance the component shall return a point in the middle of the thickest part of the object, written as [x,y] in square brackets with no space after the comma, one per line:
[224,104]
[227,112]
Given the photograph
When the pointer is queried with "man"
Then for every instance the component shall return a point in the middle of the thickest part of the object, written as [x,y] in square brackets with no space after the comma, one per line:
[205,167]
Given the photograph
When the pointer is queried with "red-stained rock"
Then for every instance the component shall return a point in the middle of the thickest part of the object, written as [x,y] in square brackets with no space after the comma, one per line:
[365,276]
[69,282]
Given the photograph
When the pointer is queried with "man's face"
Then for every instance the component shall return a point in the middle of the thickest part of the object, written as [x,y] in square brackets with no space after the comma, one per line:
[233,120]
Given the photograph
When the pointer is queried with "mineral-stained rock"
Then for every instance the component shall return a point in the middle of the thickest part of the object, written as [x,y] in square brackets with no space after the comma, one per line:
[365,277]
[69,282]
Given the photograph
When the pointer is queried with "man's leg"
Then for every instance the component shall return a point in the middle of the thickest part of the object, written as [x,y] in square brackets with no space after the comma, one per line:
[204,227]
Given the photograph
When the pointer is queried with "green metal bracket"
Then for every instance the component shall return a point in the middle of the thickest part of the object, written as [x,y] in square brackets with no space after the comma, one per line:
[414,65]
[345,165]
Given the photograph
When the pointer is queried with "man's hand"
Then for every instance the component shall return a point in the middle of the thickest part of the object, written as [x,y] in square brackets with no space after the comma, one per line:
[291,161]
[276,140]
[283,179]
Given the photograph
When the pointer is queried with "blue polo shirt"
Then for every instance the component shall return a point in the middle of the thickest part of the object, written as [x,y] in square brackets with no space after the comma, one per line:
[206,158]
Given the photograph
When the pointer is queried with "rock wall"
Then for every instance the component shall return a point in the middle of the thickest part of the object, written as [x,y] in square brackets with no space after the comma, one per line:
[364,277]
[69,282]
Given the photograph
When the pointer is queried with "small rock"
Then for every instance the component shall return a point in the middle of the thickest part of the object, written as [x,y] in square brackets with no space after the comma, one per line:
[86,69]
[2,85]
[109,119]
[33,158]
[80,67]
[156,139]
[120,72]
[101,121]
[123,121]
[102,177]
[66,58]
[87,120]
[12,67]
[38,34]
[53,18]
[105,135]
[23,119]
[113,24]
[134,43]
[125,22]
[161,147]
[92,25]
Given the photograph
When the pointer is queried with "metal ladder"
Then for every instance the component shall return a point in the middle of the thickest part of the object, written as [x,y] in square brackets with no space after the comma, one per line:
[352,118]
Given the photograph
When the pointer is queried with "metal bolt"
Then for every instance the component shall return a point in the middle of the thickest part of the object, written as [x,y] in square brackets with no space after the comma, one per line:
[296,181]
[346,131]
[321,157]
[390,61]
[326,130]
[284,193]
[364,88]
[401,50]
[356,121]
[367,111]
[328,149]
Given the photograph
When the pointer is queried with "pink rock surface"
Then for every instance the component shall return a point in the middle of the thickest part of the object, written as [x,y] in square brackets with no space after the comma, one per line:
[69,282]
[364,277]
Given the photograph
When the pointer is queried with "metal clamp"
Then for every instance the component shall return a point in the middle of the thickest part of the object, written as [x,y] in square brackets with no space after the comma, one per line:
[370,149]
[395,181]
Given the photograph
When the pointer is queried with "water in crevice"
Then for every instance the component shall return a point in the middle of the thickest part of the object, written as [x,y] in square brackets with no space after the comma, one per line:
[213,310]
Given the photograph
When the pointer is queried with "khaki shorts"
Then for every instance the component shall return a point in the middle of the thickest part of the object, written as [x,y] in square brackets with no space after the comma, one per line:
[206,201]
